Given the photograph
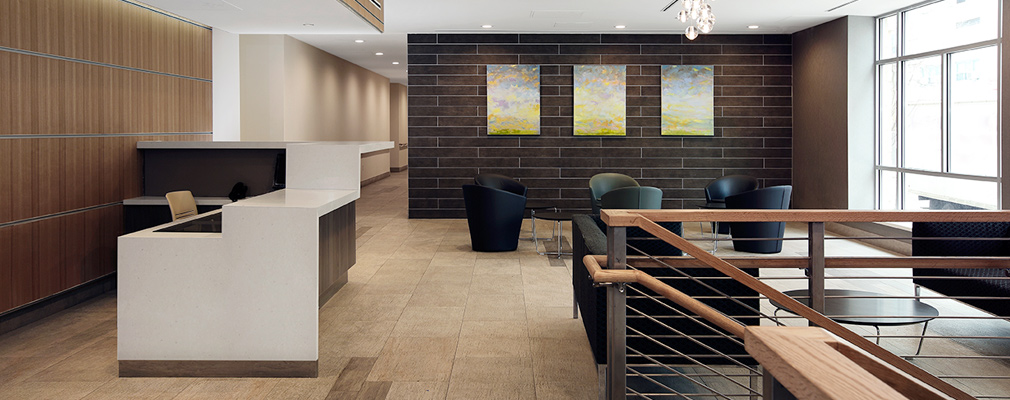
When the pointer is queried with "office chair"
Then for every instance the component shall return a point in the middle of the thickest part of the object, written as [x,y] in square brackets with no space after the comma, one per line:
[181,203]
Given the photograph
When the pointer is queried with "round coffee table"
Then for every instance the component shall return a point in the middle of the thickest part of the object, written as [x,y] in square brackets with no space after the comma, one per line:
[859,307]
[532,206]
[558,217]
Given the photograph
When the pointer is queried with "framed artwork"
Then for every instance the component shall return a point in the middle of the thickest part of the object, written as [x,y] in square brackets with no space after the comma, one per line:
[600,100]
[688,100]
[513,99]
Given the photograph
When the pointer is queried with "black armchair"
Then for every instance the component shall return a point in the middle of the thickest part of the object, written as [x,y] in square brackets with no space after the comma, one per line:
[494,217]
[501,182]
[717,191]
[773,198]
[944,280]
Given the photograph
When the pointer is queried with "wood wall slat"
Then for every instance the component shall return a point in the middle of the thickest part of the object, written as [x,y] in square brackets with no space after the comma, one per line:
[131,170]
[23,164]
[48,96]
[107,31]
[6,175]
[74,172]
[92,267]
[5,269]
[112,228]
[23,264]
[48,177]
[48,279]
[73,251]
[111,159]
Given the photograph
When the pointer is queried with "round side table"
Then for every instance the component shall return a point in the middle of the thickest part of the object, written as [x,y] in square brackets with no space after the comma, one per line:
[558,217]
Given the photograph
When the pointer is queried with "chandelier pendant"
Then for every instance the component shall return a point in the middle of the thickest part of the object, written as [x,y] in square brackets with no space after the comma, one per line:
[697,12]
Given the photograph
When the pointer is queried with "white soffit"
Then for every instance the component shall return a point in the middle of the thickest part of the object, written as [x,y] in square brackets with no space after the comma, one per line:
[335,28]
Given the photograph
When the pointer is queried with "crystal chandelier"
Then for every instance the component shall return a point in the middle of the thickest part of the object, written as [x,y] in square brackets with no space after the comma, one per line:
[700,12]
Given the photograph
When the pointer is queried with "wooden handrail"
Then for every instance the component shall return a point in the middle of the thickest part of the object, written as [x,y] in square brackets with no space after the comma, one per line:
[813,364]
[601,275]
[628,217]
[830,262]
[643,219]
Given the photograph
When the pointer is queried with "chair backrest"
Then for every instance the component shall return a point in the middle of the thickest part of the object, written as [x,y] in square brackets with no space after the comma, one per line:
[771,198]
[181,203]
[600,184]
[719,189]
[633,198]
[502,182]
[980,248]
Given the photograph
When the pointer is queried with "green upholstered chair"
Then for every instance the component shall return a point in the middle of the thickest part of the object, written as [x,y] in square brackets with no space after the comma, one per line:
[633,198]
[600,184]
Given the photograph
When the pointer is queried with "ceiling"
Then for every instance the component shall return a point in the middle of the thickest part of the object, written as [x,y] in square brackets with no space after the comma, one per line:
[329,25]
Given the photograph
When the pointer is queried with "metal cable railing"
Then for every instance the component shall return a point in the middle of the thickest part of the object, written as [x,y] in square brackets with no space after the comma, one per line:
[683,346]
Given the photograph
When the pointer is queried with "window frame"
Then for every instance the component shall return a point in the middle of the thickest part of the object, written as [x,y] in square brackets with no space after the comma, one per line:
[899,62]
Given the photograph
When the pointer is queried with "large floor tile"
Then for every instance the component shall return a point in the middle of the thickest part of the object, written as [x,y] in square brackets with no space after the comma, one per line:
[492,378]
[481,307]
[493,339]
[429,322]
[415,359]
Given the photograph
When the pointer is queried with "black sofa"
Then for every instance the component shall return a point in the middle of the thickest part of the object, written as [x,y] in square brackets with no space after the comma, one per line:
[979,287]
[589,238]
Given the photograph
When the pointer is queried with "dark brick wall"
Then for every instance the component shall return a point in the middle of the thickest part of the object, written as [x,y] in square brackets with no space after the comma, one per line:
[447,124]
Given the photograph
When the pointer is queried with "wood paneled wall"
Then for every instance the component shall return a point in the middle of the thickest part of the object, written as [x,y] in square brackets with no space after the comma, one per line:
[81,82]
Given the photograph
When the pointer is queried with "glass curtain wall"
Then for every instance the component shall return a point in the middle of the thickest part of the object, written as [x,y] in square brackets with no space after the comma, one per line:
[938,107]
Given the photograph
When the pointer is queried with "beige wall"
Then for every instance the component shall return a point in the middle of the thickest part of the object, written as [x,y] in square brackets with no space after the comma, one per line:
[261,66]
[398,125]
[292,91]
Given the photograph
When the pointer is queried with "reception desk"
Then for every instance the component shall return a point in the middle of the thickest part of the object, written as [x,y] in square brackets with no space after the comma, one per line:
[243,301]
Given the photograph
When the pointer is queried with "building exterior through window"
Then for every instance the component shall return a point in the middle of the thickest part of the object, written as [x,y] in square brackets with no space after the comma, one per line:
[937,107]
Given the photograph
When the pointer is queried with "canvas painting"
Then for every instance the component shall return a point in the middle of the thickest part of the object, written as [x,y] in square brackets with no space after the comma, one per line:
[688,100]
[513,99]
[600,100]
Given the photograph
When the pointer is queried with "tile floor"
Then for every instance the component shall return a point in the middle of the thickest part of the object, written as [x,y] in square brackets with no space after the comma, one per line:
[422,317]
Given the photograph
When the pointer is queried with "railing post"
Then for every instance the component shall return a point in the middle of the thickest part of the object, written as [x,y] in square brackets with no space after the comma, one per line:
[773,390]
[617,258]
[815,250]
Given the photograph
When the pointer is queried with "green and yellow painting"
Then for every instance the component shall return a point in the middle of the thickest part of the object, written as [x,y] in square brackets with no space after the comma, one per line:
[600,105]
[513,99]
[687,100]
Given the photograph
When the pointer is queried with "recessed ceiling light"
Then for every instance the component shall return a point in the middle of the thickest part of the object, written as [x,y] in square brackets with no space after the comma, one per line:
[359,41]
[308,24]
[378,54]
[487,26]
[619,26]
[396,63]
[753,27]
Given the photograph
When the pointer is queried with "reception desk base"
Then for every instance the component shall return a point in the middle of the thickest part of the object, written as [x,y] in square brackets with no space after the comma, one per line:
[336,250]
[217,369]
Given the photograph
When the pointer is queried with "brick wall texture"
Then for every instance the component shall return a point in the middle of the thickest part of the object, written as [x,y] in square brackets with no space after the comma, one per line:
[447,116]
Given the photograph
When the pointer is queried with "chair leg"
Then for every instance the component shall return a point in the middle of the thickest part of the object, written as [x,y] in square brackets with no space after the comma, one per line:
[533,222]
[561,230]
[715,237]
[922,337]
[878,334]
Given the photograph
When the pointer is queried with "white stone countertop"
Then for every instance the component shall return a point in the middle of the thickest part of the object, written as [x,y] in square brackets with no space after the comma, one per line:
[365,146]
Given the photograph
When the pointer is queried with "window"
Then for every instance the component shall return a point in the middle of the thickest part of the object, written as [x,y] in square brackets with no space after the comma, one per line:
[938,107]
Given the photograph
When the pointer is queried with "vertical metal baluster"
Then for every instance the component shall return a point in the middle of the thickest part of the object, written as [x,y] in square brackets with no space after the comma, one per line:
[617,381]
